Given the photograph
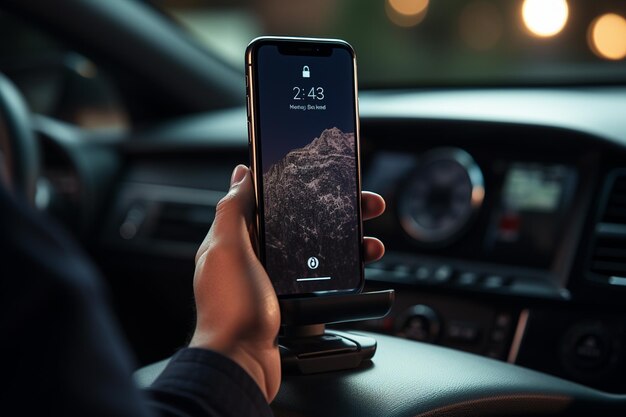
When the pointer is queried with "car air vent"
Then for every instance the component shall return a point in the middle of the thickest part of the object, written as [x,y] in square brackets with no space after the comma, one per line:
[608,253]
[182,222]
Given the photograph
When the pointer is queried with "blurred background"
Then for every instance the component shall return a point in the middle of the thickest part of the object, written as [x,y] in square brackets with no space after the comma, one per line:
[422,42]
[399,43]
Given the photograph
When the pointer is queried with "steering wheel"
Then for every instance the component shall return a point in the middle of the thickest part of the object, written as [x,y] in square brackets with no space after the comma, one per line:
[19,154]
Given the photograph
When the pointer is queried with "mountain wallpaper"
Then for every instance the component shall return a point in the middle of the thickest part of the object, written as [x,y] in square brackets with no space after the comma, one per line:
[310,210]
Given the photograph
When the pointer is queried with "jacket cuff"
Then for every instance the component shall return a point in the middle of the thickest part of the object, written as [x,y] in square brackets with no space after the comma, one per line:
[213,380]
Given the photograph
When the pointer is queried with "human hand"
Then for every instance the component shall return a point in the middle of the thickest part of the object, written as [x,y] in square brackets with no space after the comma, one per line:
[237,309]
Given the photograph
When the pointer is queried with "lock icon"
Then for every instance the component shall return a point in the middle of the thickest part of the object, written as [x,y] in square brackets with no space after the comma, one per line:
[306,73]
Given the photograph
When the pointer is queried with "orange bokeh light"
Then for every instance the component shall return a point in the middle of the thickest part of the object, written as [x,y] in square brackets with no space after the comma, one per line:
[406,13]
[607,36]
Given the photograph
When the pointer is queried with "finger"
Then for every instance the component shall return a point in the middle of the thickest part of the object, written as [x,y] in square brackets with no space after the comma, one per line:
[372,205]
[373,249]
[233,213]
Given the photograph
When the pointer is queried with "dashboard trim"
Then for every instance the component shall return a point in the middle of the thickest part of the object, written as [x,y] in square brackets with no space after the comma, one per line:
[565,108]
[520,330]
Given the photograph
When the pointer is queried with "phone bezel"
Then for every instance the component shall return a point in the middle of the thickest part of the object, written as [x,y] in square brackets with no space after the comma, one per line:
[305,47]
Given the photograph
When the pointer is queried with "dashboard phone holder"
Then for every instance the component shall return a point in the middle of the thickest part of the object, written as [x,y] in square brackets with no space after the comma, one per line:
[307,347]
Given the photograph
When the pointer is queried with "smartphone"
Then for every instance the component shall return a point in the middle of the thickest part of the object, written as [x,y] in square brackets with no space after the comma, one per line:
[303,130]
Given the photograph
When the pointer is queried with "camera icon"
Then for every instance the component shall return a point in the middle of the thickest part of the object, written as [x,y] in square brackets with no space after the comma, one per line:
[313,262]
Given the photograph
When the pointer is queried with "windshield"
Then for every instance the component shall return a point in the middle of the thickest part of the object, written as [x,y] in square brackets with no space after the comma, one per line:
[426,43]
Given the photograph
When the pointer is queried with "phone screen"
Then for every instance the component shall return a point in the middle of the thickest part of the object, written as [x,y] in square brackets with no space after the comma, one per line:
[308,168]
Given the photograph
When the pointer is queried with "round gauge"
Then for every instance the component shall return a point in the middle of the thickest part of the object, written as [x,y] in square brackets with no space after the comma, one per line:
[441,196]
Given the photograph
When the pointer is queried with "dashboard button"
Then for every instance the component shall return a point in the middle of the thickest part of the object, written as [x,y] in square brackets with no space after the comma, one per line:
[419,322]
[494,281]
[590,348]
[443,274]
[402,270]
[463,331]
[468,278]
[423,273]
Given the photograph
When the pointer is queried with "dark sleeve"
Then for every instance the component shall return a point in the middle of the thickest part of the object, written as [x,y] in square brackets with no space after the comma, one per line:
[62,353]
[198,379]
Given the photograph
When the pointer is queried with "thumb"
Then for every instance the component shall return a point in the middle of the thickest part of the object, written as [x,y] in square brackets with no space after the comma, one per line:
[233,213]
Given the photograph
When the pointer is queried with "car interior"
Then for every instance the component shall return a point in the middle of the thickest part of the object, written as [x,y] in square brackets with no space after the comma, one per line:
[495,131]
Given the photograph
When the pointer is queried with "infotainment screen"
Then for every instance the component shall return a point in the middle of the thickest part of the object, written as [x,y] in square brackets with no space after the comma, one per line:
[535,188]
[527,222]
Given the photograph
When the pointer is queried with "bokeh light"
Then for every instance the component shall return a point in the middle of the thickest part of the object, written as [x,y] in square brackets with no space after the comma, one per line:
[406,13]
[545,18]
[480,25]
[607,36]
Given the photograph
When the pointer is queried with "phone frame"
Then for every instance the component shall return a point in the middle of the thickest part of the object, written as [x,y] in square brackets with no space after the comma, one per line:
[305,45]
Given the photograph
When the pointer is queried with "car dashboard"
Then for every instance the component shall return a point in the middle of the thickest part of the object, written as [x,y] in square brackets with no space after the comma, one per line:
[505,225]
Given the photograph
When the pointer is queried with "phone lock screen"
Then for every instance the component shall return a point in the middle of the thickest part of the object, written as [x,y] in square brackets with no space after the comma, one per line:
[307,167]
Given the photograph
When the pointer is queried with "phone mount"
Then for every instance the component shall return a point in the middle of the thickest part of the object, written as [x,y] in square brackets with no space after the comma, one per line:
[307,347]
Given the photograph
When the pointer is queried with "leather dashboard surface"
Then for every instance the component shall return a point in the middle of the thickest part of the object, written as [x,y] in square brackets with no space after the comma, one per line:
[408,379]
